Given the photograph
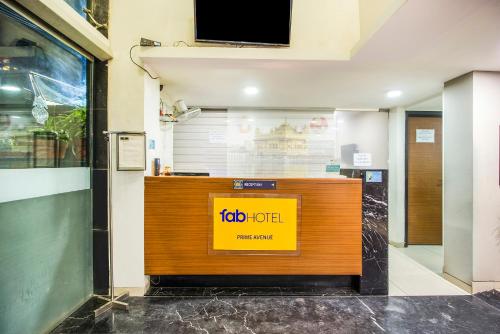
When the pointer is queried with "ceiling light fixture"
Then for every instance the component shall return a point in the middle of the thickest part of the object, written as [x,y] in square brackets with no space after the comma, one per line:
[10,88]
[394,93]
[251,90]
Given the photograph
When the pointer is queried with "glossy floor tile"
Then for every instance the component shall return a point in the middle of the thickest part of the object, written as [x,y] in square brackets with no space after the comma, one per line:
[409,277]
[491,297]
[250,292]
[349,314]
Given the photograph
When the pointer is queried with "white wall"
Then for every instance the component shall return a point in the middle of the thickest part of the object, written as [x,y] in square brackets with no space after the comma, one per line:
[152,124]
[329,27]
[397,176]
[457,178]
[358,127]
[471,186]
[326,27]
[167,133]
[126,112]
[372,15]
[486,203]
[160,132]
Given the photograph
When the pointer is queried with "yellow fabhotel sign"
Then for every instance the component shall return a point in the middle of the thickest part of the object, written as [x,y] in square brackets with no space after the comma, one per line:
[254,224]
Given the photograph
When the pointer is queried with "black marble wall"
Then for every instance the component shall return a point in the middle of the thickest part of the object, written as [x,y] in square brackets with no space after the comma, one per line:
[99,163]
[374,280]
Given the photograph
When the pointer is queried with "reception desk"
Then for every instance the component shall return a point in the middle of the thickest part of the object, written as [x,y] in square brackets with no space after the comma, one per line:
[179,218]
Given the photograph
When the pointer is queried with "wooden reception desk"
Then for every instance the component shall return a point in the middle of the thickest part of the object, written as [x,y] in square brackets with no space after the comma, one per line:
[178,227]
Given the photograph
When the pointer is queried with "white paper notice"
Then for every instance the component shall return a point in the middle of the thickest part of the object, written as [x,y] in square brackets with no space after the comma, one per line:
[131,152]
[362,159]
[217,137]
[425,135]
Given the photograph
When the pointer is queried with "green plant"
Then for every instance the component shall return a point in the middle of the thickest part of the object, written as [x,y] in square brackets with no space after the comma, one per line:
[74,124]
[55,124]
[67,127]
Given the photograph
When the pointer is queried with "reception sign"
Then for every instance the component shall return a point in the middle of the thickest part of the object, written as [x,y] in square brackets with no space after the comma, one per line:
[254,223]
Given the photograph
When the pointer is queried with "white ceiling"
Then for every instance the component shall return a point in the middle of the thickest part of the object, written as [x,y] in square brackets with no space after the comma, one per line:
[424,44]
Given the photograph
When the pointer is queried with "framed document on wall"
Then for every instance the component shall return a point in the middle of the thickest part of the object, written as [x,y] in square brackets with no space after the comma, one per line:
[130,151]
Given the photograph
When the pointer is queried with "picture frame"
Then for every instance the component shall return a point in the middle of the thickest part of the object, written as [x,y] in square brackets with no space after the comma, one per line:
[131,151]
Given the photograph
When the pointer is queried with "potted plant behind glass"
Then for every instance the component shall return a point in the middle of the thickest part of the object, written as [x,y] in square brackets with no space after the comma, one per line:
[50,142]
[55,125]
[60,132]
[75,125]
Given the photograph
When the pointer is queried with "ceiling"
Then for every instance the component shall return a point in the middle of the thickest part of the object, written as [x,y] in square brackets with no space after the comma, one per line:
[424,44]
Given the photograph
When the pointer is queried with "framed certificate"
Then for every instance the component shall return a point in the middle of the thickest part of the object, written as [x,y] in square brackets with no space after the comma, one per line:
[130,151]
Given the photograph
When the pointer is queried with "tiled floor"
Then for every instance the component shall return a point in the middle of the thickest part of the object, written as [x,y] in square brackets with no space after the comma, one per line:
[251,292]
[244,314]
[409,277]
[420,301]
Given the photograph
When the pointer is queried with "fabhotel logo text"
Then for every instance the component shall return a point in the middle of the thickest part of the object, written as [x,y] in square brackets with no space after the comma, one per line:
[254,223]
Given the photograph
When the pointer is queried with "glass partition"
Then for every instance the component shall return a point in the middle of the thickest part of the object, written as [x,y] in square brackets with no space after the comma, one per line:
[45,213]
[280,143]
[43,98]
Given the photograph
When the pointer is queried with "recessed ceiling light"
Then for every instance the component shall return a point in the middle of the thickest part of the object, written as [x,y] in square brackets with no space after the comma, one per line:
[10,88]
[251,90]
[394,93]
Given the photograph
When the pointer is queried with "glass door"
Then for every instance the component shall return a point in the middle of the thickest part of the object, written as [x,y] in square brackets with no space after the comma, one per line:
[45,193]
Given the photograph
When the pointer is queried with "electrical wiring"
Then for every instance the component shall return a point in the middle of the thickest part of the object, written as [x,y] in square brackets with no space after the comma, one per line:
[179,43]
[142,68]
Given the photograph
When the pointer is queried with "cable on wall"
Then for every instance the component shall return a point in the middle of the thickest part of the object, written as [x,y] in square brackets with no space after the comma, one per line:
[180,43]
[136,64]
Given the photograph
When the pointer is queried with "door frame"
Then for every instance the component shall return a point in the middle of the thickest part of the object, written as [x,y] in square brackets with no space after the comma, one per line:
[408,114]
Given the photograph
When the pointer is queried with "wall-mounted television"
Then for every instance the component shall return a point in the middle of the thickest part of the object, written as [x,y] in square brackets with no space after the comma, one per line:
[258,22]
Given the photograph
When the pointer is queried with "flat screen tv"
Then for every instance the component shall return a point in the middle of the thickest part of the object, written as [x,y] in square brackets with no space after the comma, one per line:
[258,22]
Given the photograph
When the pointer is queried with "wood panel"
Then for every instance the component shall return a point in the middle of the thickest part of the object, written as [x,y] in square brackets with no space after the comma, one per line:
[177,228]
[424,184]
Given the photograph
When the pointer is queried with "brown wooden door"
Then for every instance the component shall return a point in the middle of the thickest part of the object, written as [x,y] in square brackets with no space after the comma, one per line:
[424,201]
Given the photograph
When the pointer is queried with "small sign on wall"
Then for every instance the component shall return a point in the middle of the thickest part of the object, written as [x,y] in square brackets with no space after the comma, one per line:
[362,159]
[131,151]
[425,135]
[216,137]
[333,168]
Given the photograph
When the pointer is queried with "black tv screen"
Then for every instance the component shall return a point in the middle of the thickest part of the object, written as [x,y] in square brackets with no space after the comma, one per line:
[243,21]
